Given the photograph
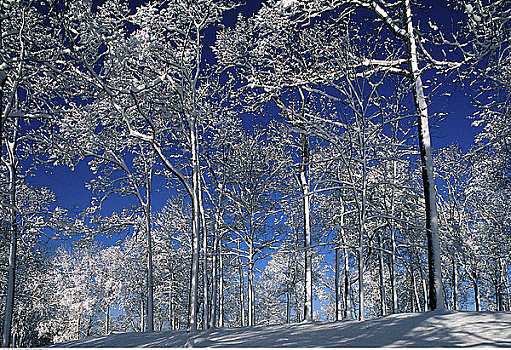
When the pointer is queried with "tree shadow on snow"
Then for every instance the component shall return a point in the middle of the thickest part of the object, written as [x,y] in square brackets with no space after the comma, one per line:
[431,329]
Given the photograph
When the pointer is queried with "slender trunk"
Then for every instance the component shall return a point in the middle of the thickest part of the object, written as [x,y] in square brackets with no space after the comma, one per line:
[476,291]
[172,312]
[250,287]
[361,233]
[3,78]
[500,286]
[150,298]
[9,306]
[221,288]
[107,319]
[392,263]
[338,314]
[423,282]
[308,312]
[214,282]
[454,284]
[288,305]
[360,284]
[383,309]
[11,269]
[194,274]
[347,294]
[436,297]
[415,292]
[142,314]
[392,286]
[205,283]
[241,291]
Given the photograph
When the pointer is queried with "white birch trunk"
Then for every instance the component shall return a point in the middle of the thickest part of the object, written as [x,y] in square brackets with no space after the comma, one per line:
[214,282]
[250,287]
[150,298]
[337,287]
[205,289]
[383,308]
[454,284]
[308,312]
[142,314]
[436,297]
[347,284]
[194,275]
[13,246]
[221,288]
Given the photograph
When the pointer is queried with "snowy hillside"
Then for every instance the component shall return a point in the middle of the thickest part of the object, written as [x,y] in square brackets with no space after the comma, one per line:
[447,329]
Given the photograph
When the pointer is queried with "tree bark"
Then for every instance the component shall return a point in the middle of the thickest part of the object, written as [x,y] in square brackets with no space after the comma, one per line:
[142,314]
[194,275]
[205,282]
[436,297]
[9,306]
[221,287]
[241,292]
[308,312]
[454,284]
[338,314]
[150,297]
[250,287]
[107,319]
[383,308]
[476,291]
[347,294]
[13,246]
[214,282]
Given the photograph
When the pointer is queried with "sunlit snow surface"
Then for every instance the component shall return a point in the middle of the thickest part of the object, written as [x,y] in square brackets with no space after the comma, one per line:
[432,329]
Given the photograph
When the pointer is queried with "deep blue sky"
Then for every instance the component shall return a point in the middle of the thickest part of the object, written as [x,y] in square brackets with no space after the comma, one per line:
[69,185]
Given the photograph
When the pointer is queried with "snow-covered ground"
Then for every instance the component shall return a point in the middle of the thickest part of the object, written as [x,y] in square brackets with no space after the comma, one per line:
[432,329]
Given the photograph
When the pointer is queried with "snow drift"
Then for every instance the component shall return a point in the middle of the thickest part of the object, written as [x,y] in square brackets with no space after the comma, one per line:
[432,329]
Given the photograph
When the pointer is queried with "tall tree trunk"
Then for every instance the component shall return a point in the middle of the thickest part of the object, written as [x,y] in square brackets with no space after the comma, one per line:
[436,297]
[308,312]
[150,298]
[392,262]
[288,305]
[3,78]
[13,246]
[414,289]
[477,298]
[205,283]
[360,281]
[383,308]
[214,283]
[221,287]
[423,282]
[9,305]
[337,287]
[250,287]
[454,284]
[172,312]
[362,220]
[194,274]
[107,319]
[241,291]
[142,314]
[347,285]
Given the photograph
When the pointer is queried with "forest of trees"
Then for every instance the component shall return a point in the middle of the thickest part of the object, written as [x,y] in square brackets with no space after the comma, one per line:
[333,206]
